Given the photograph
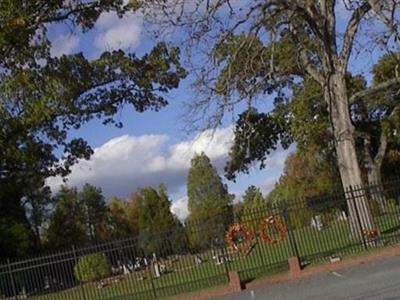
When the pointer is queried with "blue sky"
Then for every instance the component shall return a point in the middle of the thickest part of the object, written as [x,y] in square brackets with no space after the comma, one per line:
[152,147]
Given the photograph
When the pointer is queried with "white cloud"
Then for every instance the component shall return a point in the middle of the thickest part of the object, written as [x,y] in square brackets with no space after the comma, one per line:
[180,208]
[64,44]
[125,163]
[118,33]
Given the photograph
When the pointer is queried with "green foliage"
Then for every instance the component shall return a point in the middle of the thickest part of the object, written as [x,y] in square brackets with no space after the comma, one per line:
[210,204]
[119,219]
[39,105]
[254,207]
[306,175]
[387,68]
[252,197]
[96,212]
[256,136]
[67,223]
[302,219]
[301,119]
[92,267]
[309,123]
[156,220]
[245,61]
[16,237]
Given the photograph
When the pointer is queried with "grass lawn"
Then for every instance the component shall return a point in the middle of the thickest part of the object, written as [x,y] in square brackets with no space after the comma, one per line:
[184,275]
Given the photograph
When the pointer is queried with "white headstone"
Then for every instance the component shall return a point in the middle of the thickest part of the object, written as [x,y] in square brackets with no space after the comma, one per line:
[126,270]
[316,222]
[157,270]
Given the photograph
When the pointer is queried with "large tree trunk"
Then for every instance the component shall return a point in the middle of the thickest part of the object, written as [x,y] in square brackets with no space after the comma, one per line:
[350,172]
[375,186]
[374,178]
[374,175]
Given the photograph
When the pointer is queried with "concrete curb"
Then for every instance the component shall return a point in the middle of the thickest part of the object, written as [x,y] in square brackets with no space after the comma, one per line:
[295,273]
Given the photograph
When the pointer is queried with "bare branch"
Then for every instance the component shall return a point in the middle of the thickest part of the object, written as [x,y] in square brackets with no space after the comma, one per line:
[351,31]
[310,69]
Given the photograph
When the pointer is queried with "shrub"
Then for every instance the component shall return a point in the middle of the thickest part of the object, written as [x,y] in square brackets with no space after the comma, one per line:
[92,267]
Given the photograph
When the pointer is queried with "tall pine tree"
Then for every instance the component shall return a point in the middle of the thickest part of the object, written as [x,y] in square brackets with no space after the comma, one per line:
[157,224]
[210,204]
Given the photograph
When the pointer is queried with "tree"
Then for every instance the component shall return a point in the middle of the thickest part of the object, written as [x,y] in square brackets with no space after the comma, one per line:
[38,103]
[209,203]
[378,118]
[252,197]
[254,207]
[263,47]
[157,225]
[119,219]
[67,226]
[305,175]
[306,181]
[37,208]
[96,212]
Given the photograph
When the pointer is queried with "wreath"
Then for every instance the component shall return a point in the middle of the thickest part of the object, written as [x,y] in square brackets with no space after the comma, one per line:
[275,223]
[239,238]
[370,234]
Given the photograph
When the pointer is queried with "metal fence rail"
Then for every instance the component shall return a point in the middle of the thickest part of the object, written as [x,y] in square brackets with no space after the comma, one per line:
[167,264]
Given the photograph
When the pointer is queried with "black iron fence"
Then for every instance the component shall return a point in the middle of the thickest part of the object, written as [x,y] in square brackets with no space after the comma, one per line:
[200,256]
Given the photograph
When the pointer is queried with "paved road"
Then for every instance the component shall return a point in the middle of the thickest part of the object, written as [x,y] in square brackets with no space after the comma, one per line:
[373,281]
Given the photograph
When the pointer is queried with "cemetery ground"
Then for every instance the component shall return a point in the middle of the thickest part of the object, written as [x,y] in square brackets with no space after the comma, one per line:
[192,272]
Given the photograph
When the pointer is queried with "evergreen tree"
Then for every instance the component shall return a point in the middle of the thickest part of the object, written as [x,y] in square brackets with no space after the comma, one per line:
[210,204]
[156,221]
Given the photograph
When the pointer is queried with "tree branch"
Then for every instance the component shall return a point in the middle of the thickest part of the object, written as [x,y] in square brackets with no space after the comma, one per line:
[351,31]
[376,89]
[383,143]
[309,67]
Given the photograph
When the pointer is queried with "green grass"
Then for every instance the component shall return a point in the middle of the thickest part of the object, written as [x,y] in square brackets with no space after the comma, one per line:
[183,275]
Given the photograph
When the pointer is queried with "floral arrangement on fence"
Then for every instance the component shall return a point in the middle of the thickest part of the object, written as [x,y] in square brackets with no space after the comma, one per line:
[275,223]
[239,238]
[370,234]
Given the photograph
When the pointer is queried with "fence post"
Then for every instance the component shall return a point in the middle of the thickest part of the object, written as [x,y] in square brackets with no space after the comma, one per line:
[80,283]
[358,218]
[14,290]
[292,239]
[226,261]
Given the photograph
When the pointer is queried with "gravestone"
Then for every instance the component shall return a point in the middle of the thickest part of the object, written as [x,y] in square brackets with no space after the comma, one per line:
[157,272]
[198,260]
[316,222]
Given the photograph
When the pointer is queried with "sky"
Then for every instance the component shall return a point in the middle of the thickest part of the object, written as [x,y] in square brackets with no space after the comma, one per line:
[152,147]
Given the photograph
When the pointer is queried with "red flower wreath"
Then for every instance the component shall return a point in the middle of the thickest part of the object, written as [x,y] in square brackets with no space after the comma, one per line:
[370,234]
[279,226]
[239,238]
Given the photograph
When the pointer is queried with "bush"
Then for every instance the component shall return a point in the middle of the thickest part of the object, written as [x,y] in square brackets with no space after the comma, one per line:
[92,267]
